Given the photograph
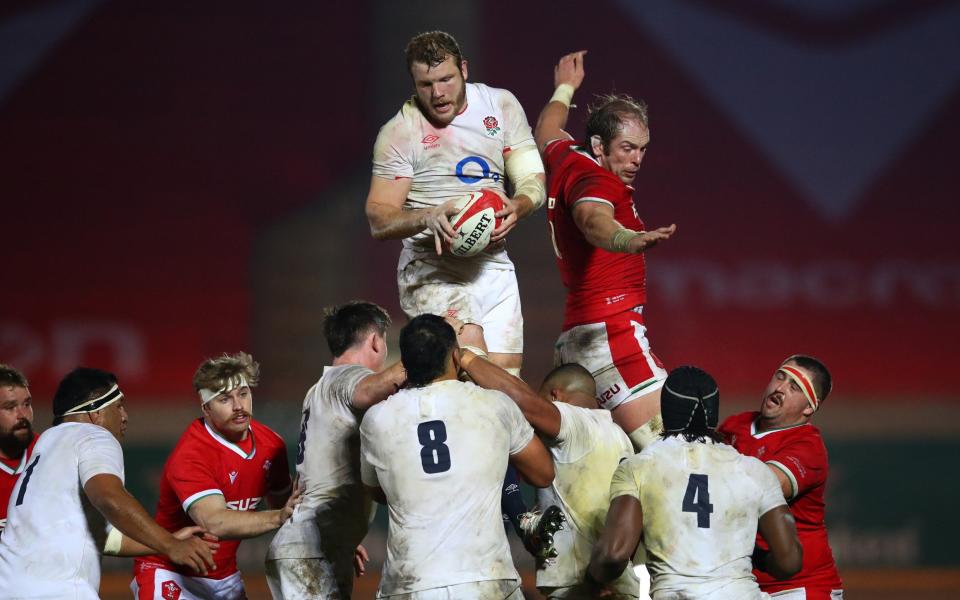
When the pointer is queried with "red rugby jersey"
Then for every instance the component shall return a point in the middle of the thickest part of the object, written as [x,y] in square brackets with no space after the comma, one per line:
[599,283]
[799,452]
[204,463]
[9,473]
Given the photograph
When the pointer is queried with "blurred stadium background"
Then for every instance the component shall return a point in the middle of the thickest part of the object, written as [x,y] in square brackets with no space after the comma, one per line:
[181,179]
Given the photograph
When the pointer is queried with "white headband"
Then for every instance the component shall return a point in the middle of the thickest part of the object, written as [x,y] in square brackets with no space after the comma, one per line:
[100,402]
[230,384]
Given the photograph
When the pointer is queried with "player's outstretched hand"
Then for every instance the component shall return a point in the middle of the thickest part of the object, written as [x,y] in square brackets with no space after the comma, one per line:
[649,239]
[570,70]
[510,217]
[193,552]
[438,221]
[360,559]
[457,325]
[296,497]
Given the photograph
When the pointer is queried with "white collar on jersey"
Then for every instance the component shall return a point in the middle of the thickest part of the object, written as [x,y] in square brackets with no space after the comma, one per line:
[753,429]
[19,469]
[222,440]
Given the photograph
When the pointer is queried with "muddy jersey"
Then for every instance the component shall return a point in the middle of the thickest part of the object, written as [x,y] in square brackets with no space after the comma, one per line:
[53,539]
[599,283]
[335,506]
[202,464]
[586,453]
[452,161]
[439,453]
[9,473]
[701,504]
[800,454]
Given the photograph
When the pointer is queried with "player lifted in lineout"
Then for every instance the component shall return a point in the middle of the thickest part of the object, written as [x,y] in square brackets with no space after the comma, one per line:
[452,138]
[599,241]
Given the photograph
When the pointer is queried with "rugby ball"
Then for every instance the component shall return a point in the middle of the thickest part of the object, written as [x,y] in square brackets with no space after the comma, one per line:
[475,222]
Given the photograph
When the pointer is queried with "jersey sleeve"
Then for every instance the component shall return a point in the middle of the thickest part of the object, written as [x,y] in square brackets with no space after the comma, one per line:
[771,495]
[368,457]
[574,439]
[513,422]
[344,383]
[516,128]
[595,188]
[99,454]
[626,479]
[391,152]
[191,477]
[803,461]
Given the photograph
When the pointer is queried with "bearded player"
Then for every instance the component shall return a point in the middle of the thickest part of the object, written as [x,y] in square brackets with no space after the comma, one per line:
[452,138]
[599,241]
[222,468]
[781,435]
[16,432]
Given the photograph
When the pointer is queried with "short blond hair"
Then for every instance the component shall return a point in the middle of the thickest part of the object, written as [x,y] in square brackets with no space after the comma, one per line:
[213,373]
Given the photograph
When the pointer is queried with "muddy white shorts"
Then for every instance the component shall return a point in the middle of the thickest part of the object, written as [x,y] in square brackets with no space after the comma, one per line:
[161,584]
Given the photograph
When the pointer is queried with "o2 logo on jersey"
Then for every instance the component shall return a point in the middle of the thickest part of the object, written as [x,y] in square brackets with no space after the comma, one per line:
[245,504]
[467,168]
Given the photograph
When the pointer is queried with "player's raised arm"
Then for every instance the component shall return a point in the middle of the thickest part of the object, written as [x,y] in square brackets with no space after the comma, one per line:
[595,220]
[540,413]
[378,386]
[127,515]
[567,76]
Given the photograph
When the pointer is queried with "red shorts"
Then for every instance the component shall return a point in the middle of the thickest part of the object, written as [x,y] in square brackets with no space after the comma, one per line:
[617,353]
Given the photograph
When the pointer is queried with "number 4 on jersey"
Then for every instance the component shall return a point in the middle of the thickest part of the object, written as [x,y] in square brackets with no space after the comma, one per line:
[697,500]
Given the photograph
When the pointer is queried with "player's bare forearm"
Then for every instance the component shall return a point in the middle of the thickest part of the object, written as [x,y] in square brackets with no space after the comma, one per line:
[618,540]
[542,415]
[551,123]
[212,514]
[379,386]
[779,529]
[598,225]
[534,464]
[123,511]
[392,223]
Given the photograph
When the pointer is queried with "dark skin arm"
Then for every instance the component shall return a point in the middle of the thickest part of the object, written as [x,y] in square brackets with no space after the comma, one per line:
[107,494]
[619,540]
[534,464]
[785,557]
[542,415]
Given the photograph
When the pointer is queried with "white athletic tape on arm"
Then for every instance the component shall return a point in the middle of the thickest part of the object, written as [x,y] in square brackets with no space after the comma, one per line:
[563,94]
[113,542]
[523,167]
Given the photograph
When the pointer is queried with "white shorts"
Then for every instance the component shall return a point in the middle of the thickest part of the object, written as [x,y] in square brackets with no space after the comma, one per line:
[507,589]
[801,594]
[617,353]
[309,578]
[744,589]
[161,584]
[467,290]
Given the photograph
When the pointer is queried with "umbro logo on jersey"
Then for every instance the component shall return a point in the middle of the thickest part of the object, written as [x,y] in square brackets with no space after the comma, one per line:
[430,141]
[233,476]
[170,590]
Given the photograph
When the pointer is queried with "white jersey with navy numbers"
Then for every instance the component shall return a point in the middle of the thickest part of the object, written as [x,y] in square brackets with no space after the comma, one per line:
[335,506]
[440,453]
[52,543]
[586,452]
[701,503]
[451,161]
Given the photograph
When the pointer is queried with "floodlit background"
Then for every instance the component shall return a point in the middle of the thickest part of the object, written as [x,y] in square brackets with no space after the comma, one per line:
[182,179]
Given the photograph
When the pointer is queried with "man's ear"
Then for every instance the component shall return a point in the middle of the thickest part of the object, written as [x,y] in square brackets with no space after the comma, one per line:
[596,144]
[463,69]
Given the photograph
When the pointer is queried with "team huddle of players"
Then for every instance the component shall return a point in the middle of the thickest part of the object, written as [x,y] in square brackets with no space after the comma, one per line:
[646,483]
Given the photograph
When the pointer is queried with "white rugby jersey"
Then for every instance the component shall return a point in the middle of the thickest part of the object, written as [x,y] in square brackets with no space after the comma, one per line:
[335,504]
[440,454]
[701,504]
[451,161]
[586,453]
[49,549]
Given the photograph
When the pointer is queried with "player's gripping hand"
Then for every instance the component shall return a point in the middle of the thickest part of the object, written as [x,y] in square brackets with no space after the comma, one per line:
[360,560]
[296,497]
[649,239]
[192,552]
[438,221]
[569,70]
[200,532]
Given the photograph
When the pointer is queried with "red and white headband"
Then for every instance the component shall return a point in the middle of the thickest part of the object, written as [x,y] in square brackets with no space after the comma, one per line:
[805,384]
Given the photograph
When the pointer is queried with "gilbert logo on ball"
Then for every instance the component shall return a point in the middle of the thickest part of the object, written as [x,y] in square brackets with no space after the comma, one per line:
[475,222]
